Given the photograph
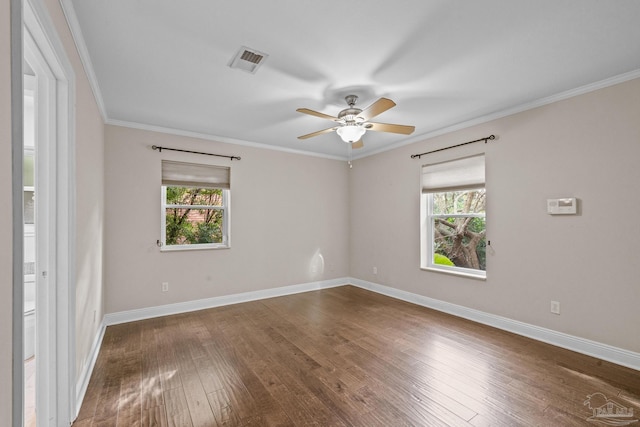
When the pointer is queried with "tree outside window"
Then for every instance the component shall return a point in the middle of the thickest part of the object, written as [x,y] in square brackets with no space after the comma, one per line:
[453,228]
[194,215]
[195,206]
[459,228]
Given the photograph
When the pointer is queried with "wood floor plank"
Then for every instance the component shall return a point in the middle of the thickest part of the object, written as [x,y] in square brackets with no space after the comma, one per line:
[176,408]
[154,416]
[332,393]
[151,392]
[166,338]
[301,405]
[241,401]
[221,406]
[196,398]
[339,357]
[130,401]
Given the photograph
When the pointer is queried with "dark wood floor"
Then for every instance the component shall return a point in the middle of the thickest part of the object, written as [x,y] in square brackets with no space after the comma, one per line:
[339,357]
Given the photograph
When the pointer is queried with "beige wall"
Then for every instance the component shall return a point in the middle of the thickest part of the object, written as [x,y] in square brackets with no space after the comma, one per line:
[586,147]
[6,259]
[287,211]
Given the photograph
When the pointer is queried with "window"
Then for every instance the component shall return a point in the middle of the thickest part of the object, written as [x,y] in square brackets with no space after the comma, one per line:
[195,206]
[453,216]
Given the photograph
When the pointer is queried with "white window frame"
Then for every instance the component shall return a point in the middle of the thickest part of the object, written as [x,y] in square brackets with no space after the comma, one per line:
[225,208]
[180,174]
[427,238]
[461,174]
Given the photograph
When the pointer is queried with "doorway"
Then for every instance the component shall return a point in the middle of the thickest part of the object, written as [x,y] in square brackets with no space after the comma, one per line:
[47,341]
[29,245]
[39,140]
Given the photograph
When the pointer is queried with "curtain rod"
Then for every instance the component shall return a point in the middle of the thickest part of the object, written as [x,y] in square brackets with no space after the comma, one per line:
[485,139]
[156,147]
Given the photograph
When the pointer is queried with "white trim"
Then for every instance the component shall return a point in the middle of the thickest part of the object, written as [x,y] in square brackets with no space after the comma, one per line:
[83,52]
[226,227]
[595,349]
[202,304]
[581,345]
[427,240]
[16,404]
[611,81]
[45,123]
[41,27]
[224,139]
[419,138]
[76,32]
[85,375]
[456,271]
[591,348]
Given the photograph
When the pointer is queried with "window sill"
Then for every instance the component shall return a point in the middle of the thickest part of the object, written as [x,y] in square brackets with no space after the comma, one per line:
[193,248]
[475,276]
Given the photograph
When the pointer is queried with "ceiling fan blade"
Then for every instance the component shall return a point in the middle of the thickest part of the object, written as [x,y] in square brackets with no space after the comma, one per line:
[357,144]
[317,114]
[378,107]
[320,132]
[386,127]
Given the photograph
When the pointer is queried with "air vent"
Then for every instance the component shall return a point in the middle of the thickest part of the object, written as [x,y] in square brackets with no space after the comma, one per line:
[247,59]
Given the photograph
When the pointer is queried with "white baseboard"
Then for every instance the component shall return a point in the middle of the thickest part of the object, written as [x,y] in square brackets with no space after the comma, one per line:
[202,304]
[591,348]
[87,370]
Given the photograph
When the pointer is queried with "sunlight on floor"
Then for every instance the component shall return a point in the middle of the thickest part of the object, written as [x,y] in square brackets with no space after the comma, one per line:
[30,392]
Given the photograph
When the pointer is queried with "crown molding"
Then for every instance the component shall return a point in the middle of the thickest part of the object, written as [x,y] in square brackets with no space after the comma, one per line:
[76,34]
[591,87]
[223,139]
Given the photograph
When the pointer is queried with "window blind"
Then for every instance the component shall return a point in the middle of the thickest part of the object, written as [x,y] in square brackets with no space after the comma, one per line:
[180,174]
[454,175]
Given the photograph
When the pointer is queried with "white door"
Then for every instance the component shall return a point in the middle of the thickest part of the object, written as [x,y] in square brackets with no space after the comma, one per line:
[54,222]
[39,138]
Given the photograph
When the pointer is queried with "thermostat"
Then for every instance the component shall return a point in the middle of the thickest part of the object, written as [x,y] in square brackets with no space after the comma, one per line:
[567,206]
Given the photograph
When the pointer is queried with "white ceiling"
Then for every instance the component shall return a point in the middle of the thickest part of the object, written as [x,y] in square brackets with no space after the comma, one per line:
[164,63]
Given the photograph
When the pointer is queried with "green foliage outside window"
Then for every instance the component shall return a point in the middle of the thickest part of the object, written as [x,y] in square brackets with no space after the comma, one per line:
[460,237]
[193,216]
[442,260]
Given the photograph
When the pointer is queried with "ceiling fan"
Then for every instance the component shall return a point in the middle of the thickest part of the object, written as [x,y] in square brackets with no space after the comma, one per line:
[353,122]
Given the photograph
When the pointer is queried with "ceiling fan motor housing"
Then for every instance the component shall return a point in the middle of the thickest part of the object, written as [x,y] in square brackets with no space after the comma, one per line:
[349,114]
[351,129]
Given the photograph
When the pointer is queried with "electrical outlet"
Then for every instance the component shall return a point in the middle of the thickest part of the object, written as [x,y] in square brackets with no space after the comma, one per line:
[165,286]
[375,270]
[555,307]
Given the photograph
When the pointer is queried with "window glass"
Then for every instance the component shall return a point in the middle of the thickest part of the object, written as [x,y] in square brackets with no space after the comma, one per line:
[193,225]
[459,229]
[195,206]
[453,227]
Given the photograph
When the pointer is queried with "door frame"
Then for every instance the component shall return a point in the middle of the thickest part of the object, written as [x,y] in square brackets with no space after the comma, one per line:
[38,31]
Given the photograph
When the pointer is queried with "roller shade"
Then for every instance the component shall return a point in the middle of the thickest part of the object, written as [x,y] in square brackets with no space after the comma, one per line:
[454,175]
[180,174]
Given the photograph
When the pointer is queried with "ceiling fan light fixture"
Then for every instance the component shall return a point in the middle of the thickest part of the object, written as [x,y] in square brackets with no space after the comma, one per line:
[351,132]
